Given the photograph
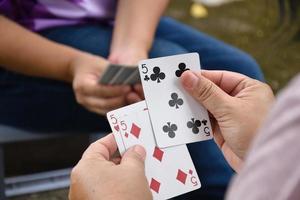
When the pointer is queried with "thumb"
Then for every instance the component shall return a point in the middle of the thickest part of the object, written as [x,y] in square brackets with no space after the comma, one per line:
[134,156]
[207,93]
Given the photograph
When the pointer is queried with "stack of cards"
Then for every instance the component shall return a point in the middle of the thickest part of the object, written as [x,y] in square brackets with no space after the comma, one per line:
[120,75]
[164,123]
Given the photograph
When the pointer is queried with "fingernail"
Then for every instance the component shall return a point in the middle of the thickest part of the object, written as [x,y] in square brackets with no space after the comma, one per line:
[190,81]
[140,150]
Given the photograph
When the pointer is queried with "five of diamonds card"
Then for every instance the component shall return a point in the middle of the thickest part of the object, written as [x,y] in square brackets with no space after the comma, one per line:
[163,124]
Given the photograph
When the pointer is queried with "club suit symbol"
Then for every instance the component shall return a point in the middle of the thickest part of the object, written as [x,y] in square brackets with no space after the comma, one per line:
[181,68]
[175,101]
[194,125]
[157,75]
[170,129]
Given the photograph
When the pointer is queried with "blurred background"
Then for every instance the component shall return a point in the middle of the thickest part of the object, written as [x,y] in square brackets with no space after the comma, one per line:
[255,26]
[252,25]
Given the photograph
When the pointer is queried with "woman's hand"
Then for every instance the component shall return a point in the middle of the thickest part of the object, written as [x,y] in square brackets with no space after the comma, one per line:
[238,105]
[97,177]
[86,71]
[130,56]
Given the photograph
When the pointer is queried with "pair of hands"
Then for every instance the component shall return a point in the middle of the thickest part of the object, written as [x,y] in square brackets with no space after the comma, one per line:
[230,98]
[86,71]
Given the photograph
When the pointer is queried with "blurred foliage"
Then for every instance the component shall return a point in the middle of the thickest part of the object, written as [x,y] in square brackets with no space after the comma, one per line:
[255,27]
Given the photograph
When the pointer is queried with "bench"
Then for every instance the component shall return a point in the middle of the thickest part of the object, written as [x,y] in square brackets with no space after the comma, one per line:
[32,183]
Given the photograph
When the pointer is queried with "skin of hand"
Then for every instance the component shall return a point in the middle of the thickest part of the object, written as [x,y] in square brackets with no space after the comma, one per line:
[45,58]
[130,57]
[238,105]
[133,34]
[97,98]
[97,177]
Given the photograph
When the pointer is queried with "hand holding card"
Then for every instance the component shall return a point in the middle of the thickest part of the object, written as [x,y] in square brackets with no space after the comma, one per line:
[179,176]
[97,177]
[176,117]
[163,123]
[89,93]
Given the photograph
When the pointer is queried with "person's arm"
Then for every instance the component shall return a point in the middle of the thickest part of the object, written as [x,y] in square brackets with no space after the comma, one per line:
[271,169]
[135,26]
[28,53]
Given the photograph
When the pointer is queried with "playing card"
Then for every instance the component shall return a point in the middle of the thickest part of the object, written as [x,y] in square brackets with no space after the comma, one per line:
[116,74]
[176,117]
[109,73]
[123,74]
[170,172]
[134,78]
[112,118]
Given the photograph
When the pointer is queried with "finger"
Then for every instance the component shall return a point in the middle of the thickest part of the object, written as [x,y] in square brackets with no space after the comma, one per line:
[91,87]
[113,90]
[218,137]
[205,92]
[116,160]
[104,104]
[234,161]
[230,82]
[97,110]
[134,157]
[139,89]
[102,149]
[132,97]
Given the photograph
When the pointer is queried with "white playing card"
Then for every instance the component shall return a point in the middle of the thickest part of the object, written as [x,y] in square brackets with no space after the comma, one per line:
[176,117]
[170,171]
[112,118]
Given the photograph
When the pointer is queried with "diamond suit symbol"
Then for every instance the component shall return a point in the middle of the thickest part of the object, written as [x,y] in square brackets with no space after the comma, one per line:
[181,176]
[155,185]
[158,153]
[135,130]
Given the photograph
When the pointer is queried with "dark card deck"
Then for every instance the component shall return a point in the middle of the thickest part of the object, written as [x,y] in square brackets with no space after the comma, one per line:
[120,75]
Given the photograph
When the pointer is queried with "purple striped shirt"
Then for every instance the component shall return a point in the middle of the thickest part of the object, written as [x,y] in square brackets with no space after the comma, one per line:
[40,14]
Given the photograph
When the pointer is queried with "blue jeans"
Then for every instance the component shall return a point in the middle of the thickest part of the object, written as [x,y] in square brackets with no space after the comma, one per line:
[48,105]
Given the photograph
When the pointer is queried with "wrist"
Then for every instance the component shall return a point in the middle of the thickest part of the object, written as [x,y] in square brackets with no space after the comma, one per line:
[130,44]
[80,61]
[127,55]
[134,44]
[72,65]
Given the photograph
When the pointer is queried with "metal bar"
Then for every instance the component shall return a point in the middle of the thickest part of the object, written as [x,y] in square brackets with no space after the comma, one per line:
[38,182]
[2,184]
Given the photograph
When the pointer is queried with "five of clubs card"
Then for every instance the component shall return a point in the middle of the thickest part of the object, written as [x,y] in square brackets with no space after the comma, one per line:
[163,124]
[175,116]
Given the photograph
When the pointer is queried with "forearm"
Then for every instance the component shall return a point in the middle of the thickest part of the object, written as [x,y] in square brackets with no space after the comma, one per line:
[28,53]
[136,22]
